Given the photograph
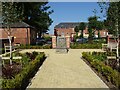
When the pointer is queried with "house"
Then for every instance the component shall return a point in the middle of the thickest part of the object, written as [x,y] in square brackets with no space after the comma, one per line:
[103,33]
[68,29]
[22,33]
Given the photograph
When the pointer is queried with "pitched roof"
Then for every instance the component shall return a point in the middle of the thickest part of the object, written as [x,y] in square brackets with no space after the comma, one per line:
[17,25]
[67,25]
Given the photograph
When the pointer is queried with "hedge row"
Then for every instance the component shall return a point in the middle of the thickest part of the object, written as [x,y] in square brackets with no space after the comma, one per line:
[111,75]
[2,50]
[86,46]
[21,80]
[35,47]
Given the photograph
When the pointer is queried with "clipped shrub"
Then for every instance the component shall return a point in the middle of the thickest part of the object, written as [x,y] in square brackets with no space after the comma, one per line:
[2,50]
[35,47]
[21,80]
[86,46]
[111,75]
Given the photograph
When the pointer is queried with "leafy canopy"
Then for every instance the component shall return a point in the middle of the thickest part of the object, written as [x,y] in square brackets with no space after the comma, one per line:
[36,14]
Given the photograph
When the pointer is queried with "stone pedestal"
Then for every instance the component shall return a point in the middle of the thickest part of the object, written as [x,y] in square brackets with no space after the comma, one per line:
[54,41]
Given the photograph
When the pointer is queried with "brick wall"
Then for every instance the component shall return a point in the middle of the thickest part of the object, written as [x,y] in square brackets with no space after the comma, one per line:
[65,31]
[70,32]
[21,35]
[103,33]
[68,41]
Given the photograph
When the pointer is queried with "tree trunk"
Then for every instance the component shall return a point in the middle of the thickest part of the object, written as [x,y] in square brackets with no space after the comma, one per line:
[82,33]
[118,53]
[9,37]
[117,43]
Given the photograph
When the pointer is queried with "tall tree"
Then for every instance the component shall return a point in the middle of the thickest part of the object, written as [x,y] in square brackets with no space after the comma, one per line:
[76,30]
[112,11]
[113,19]
[10,15]
[36,14]
[92,27]
[100,26]
[82,27]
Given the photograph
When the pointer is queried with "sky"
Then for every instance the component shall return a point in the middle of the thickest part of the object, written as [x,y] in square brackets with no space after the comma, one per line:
[72,12]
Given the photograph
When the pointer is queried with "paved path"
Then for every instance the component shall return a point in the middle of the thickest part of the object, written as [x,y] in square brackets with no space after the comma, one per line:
[65,71]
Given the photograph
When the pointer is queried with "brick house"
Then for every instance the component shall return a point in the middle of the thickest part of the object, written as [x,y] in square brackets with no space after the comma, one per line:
[21,32]
[103,33]
[68,29]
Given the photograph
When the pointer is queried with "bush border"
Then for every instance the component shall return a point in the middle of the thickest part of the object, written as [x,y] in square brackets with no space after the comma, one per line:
[111,75]
[22,79]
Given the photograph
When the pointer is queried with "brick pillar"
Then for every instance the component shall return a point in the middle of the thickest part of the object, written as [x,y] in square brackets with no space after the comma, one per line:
[107,39]
[53,41]
[68,41]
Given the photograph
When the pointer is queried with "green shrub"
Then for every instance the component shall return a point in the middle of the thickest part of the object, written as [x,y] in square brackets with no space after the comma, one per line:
[86,46]
[25,60]
[2,50]
[22,79]
[35,47]
[111,75]
[101,56]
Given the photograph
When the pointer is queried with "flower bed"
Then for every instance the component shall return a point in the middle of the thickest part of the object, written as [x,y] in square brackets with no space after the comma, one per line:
[20,79]
[111,75]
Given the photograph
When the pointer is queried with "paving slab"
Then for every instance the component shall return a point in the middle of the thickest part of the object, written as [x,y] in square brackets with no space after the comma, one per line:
[65,70]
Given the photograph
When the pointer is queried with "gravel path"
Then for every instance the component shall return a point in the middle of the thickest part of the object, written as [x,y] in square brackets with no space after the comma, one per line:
[65,71]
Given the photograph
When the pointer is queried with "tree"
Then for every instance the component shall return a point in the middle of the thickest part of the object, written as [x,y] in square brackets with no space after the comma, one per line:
[33,13]
[92,24]
[113,19]
[36,14]
[99,26]
[82,27]
[76,30]
[10,15]
[112,11]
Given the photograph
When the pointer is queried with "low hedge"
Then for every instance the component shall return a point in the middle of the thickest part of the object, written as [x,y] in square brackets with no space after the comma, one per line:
[101,56]
[21,80]
[2,50]
[35,47]
[111,75]
[86,46]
